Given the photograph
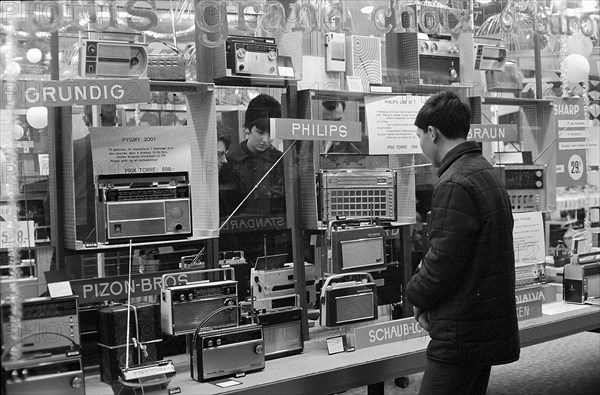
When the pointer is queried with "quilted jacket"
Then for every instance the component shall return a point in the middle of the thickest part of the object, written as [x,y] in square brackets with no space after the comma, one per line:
[466,282]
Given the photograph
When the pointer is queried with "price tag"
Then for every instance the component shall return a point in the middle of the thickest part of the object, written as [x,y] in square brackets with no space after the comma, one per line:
[23,235]
[576,167]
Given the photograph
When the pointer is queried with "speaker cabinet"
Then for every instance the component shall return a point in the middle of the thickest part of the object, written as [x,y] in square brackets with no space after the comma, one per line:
[364,59]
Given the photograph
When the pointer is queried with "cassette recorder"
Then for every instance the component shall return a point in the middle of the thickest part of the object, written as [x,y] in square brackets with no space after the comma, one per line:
[227,351]
[355,247]
[348,298]
[280,282]
[143,206]
[48,325]
[113,59]
[245,56]
[356,193]
[183,307]
[282,330]
[53,375]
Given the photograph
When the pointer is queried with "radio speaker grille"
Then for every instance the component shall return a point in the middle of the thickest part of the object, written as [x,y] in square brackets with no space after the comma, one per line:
[137,210]
[187,315]
[355,307]
[148,227]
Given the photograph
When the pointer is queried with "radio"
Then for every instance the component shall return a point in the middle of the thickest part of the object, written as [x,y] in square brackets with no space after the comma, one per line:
[227,351]
[490,57]
[144,206]
[526,187]
[273,303]
[245,56]
[364,59]
[183,307]
[48,325]
[166,67]
[355,247]
[356,193]
[282,330]
[54,375]
[348,298]
[280,282]
[113,59]
[439,62]
[581,282]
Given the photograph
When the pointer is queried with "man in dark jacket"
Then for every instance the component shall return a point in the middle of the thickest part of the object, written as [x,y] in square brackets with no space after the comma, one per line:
[464,291]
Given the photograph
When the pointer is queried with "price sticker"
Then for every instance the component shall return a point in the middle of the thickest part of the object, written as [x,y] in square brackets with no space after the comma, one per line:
[23,236]
[576,167]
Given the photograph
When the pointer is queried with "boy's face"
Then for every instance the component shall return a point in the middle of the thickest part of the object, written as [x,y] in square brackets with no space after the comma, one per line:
[336,114]
[221,154]
[258,140]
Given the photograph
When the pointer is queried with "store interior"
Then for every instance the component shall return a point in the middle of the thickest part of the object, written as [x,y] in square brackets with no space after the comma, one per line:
[129,247]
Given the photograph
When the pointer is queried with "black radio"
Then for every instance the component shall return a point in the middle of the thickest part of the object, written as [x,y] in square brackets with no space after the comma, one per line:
[227,351]
[348,298]
[439,62]
[526,187]
[54,375]
[183,307]
[144,206]
[48,325]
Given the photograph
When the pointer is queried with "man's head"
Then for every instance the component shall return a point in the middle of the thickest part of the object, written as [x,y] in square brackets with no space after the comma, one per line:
[257,122]
[333,110]
[442,123]
[108,115]
[223,143]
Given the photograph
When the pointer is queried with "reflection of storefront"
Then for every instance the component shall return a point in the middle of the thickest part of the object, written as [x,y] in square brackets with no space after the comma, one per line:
[389,56]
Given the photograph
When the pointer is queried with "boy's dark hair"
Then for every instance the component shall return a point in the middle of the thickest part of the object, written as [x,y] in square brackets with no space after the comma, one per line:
[331,105]
[108,114]
[447,112]
[224,137]
[260,110]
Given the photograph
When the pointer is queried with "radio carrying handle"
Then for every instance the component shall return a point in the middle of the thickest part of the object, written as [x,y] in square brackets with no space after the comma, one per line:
[217,311]
[332,279]
[224,270]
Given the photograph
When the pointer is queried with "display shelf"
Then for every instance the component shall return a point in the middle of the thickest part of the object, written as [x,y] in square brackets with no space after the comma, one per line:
[516,101]
[316,371]
[181,86]
[255,82]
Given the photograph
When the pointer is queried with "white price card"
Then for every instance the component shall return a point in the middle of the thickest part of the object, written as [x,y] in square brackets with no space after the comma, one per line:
[22,237]
[528,238]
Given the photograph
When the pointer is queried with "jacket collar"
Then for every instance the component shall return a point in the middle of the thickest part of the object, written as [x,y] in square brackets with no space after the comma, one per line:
[457,152]
[241,152]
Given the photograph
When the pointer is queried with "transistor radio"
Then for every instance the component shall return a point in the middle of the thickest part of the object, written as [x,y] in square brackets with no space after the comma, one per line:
[183,307]
[245,56]
[526,186]
[98,58]
[280,282]
[143,207]
[48,325]
[163,67]
[490,57]
[355,247]
[354,193]
[439,62]
[348,298]
[282,330]
[227,351]
[53,375]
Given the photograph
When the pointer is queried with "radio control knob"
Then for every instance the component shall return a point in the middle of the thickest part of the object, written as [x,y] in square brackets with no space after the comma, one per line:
[229,302]
[241,53]
[210,343]
[538,184]
[25,373]
[191,296]
[241,67]
[453,73]
[259,349]
[219,342]
[182,297]
[14,374]
[272,55]
[538,173]
[77,382]
[176,212]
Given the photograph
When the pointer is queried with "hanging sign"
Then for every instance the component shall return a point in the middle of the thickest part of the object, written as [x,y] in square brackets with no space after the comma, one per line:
[502,132]
[391,124]
[27,94]
[305,129]
[571,127]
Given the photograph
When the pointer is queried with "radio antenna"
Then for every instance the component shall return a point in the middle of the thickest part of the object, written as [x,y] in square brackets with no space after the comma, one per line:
[128,307]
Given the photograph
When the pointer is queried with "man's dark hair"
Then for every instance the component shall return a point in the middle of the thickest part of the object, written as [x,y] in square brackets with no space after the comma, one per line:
[224,137]
[108,114]
[447,112]
[260,110]
[331,105]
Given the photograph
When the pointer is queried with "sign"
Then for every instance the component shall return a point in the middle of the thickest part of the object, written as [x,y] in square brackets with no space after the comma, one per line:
[389,332]
[93,290]
[24,234]
[391,124]
[82,91]
[137,150]
[305,129]
[502,132]
[249,223]
[571,127]
[529,302]
[528,238]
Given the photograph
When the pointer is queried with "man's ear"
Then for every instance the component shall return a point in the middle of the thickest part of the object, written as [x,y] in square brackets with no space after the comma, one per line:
[433,131]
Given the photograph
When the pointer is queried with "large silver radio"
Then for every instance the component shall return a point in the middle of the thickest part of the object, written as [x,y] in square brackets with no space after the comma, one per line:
[183,307]
[355,193]
[144,206]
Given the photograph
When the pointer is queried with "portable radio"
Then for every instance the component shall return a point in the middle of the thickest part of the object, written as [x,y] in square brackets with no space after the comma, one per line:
[348,298]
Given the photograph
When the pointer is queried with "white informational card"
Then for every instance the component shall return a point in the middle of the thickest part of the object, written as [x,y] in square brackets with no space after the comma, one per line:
[391,124]
[62,288]
[528,238]
[137,150]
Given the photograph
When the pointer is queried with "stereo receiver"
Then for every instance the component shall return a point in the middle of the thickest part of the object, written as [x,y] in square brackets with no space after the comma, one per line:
[348,298]
[48,325]
[113,59]
[183,307]
[356,193]
[144,206]
[227,351]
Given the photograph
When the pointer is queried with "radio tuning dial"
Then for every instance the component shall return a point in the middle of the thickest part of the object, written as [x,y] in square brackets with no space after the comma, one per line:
[76,382]
[434,47]
[25,373]
[272,55]
[191,296]
[219,342]
[229,302]
[453,73]
[259,349]
[241,53]
[538,173]
[538,184]
[182,297]
[424,47]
